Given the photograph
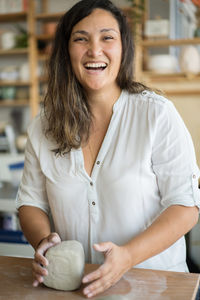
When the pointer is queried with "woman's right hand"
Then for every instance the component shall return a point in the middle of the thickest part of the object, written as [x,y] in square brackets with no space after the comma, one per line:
[40,261]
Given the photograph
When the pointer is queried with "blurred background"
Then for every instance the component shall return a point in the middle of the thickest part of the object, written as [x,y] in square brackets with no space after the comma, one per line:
[167,58]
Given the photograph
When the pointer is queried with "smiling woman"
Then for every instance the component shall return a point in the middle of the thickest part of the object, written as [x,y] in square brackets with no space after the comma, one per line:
[110,160]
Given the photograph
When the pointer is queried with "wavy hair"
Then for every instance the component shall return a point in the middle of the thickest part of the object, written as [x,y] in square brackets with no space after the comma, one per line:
[66,108]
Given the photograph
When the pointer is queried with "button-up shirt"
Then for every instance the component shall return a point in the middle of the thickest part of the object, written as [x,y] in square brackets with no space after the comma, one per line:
[146,163]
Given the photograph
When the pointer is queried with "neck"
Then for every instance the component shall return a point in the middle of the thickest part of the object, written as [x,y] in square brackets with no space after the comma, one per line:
[101,102]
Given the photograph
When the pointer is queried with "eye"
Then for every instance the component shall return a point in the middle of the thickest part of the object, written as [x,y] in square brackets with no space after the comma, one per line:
[80,39]
[108,37]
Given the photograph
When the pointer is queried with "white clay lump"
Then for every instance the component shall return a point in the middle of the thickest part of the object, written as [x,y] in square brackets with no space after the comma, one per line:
[66,266]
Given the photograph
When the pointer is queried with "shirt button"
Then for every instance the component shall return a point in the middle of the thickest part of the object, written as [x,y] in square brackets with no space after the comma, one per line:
[193,176]
[144,92]
[91,183]
[93,203]
[98,162]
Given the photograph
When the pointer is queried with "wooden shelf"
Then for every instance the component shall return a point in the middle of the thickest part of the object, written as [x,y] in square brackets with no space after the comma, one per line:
[173,84]
[184,92]
[168,42]
[14,83]
[49,16]
[43,79]
[171,76]
[15,51]
[13,103]
[44,37]
[175,91]
[13,17]
[43,57]
[55,16]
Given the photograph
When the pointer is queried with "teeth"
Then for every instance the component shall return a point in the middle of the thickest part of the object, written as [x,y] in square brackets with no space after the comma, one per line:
[95,65]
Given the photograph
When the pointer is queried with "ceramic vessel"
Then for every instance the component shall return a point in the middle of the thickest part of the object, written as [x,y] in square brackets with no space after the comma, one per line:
[162,63]
[189,60]
[8,40]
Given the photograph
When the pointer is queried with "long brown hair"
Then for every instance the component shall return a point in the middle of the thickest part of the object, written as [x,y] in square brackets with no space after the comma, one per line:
[66,108]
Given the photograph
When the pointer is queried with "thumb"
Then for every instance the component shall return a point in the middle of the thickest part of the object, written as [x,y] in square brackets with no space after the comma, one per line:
[103,247]
[54,238]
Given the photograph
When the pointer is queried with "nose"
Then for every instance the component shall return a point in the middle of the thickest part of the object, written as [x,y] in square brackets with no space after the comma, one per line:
[94,49]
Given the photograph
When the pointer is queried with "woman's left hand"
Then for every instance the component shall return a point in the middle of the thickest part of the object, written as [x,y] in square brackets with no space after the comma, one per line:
[117,262]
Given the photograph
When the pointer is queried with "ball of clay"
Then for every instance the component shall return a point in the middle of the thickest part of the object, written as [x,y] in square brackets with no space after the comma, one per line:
[66,266]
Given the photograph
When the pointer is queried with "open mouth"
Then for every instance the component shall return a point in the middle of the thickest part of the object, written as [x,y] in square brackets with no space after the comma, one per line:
[95,66]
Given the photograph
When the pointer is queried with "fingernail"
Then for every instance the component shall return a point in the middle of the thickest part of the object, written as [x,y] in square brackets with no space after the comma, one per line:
[89,295]
[86,291]
[35,283]
[85,279]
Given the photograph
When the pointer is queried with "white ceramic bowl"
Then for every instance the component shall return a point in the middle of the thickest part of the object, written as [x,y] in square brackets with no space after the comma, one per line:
[162,63]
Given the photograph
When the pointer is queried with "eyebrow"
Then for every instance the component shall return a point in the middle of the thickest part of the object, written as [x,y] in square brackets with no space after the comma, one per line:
[102,30]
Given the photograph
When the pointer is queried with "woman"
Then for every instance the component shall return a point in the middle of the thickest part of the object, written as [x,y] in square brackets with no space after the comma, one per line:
[111,160]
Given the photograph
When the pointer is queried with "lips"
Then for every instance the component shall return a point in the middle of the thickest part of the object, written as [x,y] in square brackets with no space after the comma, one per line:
[95,66]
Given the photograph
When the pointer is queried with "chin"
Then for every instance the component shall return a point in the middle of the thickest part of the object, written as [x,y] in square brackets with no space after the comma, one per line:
[94,88]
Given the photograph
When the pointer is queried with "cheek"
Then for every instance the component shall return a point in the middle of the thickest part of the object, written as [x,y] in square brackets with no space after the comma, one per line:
[75,58]
[116,54]
[73,55]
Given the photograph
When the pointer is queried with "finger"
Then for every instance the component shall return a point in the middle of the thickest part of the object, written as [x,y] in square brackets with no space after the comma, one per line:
[51,240]
[40,258]
[48,242]
[100,272]
[38,269]
[98,286]
[35,283]
[37,279]
[54,238]
[92,276]
[103,247]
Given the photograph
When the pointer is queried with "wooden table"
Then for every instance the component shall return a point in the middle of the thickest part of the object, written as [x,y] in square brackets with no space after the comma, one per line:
[16,284]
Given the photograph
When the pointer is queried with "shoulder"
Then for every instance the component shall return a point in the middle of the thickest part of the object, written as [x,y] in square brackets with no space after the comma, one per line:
[37,133]
[150,97]
[149,101]
[156,107]
[35,128]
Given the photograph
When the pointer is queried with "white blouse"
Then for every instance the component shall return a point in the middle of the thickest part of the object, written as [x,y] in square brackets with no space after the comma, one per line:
[145,164]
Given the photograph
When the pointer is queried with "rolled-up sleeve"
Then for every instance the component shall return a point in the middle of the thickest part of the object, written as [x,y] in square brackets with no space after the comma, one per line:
[32,191]
[173,159]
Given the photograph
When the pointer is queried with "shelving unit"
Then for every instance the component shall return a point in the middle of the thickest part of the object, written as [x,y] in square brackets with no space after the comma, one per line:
[156,80]
[185,81]
[27,17]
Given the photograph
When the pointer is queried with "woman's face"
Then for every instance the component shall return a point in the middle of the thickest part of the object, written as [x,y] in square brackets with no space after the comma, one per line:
[95,50]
